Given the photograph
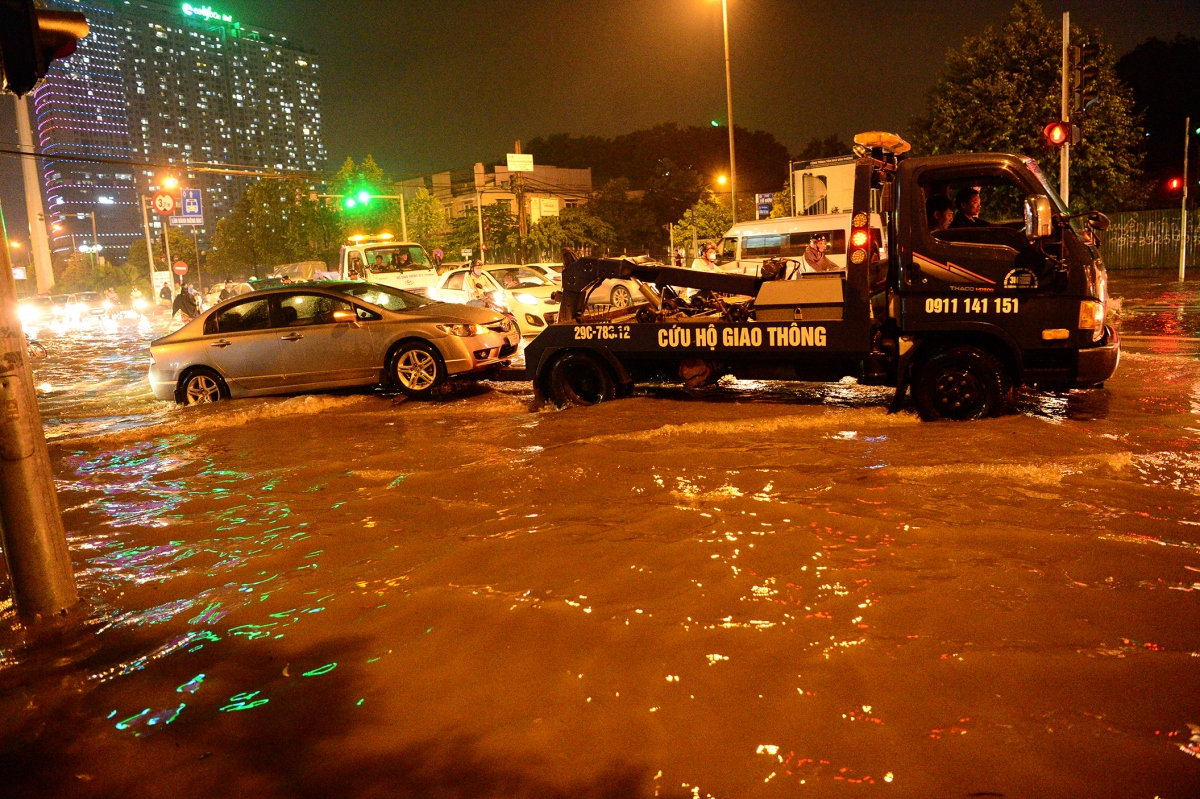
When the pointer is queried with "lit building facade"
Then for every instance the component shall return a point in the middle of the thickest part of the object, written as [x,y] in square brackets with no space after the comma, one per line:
[167,83]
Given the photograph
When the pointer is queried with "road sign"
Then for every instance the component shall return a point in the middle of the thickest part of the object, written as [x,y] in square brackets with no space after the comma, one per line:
[466,254]
[520,162]
[163,203]
[193,209]
[765,203]
[180,268]
[19,273]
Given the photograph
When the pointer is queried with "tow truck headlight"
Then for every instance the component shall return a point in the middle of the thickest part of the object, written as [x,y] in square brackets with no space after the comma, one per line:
[1091,317]
[28,316]
[463,331]
[526,299]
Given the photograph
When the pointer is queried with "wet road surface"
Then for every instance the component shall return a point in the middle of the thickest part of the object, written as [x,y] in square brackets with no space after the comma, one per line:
[749,590]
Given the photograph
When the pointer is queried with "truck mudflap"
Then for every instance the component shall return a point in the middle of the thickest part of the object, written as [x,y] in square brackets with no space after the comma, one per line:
[1097,364]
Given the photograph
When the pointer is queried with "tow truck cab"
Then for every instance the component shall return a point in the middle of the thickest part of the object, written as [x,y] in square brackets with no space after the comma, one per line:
[962,314]
[380,259]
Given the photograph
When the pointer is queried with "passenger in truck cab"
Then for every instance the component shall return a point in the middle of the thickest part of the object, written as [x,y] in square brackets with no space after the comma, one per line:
[969,205]
[940,212]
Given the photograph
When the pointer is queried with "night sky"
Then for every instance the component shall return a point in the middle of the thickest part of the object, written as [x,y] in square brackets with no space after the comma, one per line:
[427,86]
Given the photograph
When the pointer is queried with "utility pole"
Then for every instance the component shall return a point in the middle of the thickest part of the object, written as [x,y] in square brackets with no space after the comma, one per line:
[39,242]
[1064,169]
[149,247]
[479,212]
[1183,222]
[170,264]
[403,216]
[31,527]
[729,109]
[196,245]
[522,222]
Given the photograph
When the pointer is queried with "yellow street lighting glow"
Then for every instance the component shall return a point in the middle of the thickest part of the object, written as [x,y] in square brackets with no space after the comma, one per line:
[16,245]
[170,182]
[721,180]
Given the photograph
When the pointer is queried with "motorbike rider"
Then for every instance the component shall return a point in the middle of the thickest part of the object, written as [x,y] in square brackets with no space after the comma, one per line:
[479,288]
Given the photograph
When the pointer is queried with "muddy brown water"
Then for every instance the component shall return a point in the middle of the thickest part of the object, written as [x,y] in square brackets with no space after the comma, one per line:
[750,590]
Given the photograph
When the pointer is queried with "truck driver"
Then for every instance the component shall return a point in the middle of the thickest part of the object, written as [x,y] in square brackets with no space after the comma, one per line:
[969,205]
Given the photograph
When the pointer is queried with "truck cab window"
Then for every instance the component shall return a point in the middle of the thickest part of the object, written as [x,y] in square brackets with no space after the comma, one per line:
[974,229]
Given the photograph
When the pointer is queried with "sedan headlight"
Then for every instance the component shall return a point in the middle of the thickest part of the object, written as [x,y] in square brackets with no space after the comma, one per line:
[108,306]
[463,331]
[28,316]
[1091,317]
[526,299]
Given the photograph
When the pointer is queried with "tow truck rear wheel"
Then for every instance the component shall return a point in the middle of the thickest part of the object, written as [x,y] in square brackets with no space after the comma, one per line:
[960,384]
[577,378]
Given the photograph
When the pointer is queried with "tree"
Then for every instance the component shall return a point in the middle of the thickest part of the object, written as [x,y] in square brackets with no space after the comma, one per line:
[426,220]
[712,220]
[274,222]
[829,147]
[575,228]
[637,156]
[182,249]
[1163,77]
[633,223]
[1000,89]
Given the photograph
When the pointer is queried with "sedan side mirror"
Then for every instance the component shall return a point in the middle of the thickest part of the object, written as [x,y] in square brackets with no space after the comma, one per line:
[1038,217]
[345,317]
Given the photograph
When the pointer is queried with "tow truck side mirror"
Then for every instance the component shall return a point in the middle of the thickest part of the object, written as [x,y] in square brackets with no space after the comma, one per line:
[1038,217]
[1097,221]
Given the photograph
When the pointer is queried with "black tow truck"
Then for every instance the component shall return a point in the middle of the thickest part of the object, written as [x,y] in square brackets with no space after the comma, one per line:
[963,315]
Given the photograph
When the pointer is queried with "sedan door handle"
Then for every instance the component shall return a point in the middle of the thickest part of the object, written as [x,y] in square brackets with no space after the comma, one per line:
[222,344]
[291,337]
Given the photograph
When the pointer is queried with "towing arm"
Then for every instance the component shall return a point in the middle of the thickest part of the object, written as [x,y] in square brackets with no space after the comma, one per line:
[580,275]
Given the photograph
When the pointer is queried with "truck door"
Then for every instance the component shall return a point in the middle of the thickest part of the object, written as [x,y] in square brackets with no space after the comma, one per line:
[971,265]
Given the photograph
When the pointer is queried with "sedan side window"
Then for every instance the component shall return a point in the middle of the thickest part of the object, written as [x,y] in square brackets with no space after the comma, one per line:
[301,310]
[455,281]
[250,315]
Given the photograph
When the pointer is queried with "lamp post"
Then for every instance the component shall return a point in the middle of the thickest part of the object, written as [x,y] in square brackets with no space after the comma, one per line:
[729,110]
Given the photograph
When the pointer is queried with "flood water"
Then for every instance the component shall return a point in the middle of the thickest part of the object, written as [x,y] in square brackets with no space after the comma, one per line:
[748,590]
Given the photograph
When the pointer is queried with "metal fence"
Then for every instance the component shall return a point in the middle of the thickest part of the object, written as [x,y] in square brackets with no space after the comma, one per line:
[1149,240]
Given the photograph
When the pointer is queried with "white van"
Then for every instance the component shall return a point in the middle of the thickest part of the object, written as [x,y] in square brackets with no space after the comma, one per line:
[747,244]
[379,259]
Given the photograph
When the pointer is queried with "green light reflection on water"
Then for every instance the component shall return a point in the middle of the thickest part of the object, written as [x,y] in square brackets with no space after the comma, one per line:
[328,667]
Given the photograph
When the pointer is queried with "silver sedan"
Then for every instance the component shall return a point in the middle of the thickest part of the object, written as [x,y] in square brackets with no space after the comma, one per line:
[323,336]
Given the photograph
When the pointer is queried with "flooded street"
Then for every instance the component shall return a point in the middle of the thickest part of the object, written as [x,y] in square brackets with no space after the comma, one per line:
[751,590]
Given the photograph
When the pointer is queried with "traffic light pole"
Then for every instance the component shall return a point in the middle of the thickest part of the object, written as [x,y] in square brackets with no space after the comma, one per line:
[1064,169]
[31,527]
[149,247]
[1183,222]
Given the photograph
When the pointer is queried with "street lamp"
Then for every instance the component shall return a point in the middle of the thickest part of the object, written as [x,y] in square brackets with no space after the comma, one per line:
[729,109]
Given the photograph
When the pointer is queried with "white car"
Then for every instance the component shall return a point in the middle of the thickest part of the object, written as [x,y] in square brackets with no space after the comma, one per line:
[614,293]
[524,291]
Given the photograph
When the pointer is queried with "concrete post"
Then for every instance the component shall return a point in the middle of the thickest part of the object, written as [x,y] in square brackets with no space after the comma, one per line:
[34,540]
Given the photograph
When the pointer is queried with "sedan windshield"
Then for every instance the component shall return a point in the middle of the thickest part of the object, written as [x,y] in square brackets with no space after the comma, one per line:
[384,296]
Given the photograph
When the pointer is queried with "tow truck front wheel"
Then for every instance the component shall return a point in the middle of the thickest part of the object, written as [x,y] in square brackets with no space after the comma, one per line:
[960,384]
[577,378]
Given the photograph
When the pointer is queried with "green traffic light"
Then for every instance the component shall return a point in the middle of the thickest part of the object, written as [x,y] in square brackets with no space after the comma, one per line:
[716,124]
[364,197]
[350,202]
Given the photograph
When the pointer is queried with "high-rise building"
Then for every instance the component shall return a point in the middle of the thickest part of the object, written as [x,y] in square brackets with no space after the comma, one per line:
[168,83]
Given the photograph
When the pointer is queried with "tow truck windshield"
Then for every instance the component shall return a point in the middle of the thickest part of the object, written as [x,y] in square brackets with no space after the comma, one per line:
[383,296]
[392,261]
[518,278]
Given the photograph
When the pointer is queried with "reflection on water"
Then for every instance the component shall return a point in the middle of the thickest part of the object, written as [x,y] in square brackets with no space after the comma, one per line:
[741,590]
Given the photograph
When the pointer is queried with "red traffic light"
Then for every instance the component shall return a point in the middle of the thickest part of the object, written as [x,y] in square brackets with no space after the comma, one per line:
[1057,133]
[1174,184]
